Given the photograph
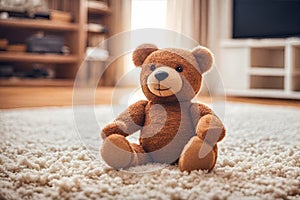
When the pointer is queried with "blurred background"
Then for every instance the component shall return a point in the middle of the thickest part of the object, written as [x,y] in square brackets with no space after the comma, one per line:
[44,42]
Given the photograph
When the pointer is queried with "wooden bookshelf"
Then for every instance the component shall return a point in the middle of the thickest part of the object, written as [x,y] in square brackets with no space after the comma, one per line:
[17,30]
[75,35]
[38,24]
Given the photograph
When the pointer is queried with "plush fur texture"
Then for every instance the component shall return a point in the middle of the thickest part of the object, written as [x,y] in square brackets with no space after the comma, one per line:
[173,129]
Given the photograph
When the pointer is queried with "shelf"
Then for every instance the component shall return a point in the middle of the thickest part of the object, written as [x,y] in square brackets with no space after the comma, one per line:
[40,58]
[38,24]
[273,93]
[296,73]
[295,54]
[237,43]
[26,82]
[96,8]
[260,43]
[266,71]
[266,82]
[99,11]
[267,57]
[294,42]
[295,86]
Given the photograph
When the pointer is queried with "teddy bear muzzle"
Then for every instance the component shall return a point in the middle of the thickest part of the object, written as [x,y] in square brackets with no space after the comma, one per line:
[164,81]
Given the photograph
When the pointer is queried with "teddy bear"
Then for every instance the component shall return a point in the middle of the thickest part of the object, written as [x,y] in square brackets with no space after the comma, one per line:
[173,129]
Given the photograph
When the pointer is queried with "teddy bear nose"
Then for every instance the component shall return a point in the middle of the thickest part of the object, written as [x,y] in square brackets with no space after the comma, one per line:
[161,75]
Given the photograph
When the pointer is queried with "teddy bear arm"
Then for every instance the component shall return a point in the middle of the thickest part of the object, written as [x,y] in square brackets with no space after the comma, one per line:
[128,122]
[208,126]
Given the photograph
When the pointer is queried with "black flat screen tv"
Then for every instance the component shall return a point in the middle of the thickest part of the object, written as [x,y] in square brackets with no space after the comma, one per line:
[266,18]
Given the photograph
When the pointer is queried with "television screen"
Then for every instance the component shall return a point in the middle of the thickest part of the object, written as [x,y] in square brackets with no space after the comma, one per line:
[266,18]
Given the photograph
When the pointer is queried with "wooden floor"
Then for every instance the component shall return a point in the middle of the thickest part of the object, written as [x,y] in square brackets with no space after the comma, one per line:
[27,97]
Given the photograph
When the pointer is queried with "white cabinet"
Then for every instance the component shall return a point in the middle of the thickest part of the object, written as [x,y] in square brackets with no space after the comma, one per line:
[261,68]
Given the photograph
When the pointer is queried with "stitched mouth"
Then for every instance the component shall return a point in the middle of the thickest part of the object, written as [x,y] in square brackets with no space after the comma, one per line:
[159,88]
[162,89]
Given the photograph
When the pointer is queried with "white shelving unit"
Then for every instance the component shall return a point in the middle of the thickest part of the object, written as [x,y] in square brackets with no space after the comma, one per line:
[261,67]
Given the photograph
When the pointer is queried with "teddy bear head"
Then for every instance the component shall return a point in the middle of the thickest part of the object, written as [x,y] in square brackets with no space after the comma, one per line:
[171,74]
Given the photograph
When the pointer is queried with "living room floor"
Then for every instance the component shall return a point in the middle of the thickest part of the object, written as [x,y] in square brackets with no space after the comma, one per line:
[53,153]
[26,97]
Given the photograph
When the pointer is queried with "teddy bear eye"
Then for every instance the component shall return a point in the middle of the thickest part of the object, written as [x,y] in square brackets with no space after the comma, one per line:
[152,67]
[179,69]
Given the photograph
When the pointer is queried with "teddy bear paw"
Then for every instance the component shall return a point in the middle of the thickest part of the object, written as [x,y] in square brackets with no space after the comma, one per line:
[116,151]
[197,154]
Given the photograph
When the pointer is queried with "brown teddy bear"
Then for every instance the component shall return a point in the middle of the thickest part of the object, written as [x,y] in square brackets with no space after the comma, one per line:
[172,128]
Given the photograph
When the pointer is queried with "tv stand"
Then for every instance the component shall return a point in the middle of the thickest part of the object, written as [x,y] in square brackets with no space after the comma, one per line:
[261,67]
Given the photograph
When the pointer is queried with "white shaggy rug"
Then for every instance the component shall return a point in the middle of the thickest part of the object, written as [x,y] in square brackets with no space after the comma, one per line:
[43,158]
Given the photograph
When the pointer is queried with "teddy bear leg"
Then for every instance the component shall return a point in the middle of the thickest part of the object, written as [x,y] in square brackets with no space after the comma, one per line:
[118,153]
[140,157]
[197,154]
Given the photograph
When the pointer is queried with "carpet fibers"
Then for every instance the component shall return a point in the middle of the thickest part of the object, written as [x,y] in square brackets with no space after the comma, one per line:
[42,157]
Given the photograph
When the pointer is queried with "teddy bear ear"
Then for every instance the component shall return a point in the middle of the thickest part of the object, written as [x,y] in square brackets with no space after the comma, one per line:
[141,53]
[204,58]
